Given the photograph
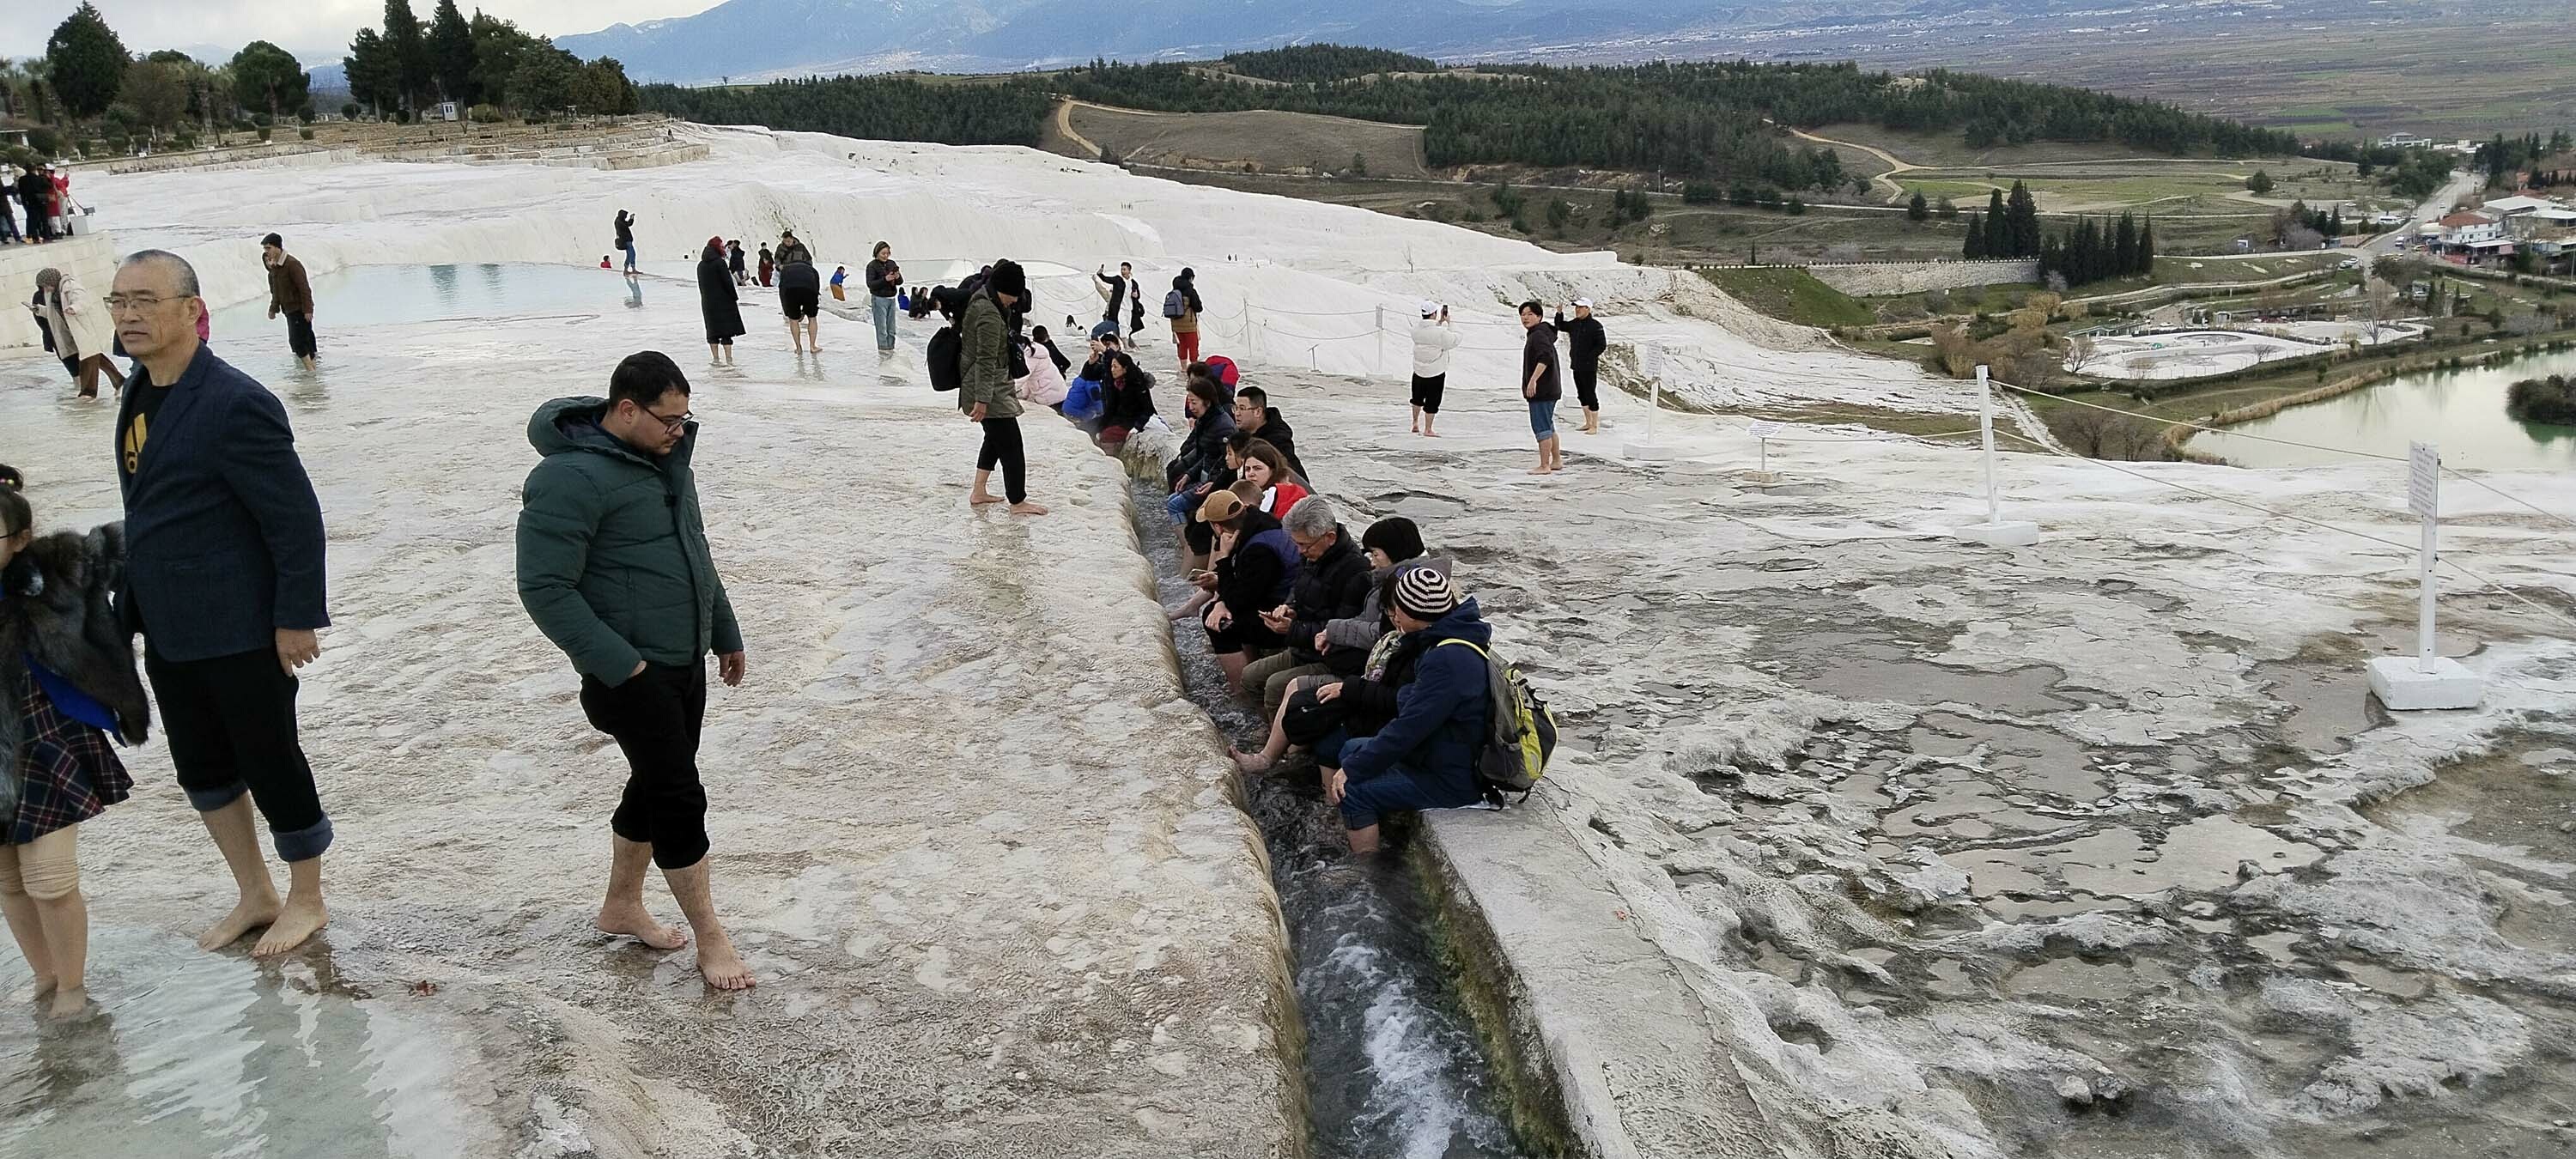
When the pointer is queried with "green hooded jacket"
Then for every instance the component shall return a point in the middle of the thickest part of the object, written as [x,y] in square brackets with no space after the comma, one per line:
[613,558]
[984,359]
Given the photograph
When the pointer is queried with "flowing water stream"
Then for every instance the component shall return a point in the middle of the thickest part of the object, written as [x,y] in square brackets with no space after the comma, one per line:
[1394,1069]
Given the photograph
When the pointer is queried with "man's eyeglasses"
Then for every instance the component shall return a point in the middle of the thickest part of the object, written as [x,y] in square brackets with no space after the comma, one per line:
[123,302]
[672,423]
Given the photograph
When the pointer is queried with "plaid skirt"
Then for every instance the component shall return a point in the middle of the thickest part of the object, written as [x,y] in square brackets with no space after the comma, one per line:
[71,772]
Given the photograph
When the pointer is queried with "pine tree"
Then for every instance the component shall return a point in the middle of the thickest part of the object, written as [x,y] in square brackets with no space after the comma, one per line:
[1918,209]
[85,62]
[2124,248]
[407,52]
[451,54]
[2023,229]
[1975,249]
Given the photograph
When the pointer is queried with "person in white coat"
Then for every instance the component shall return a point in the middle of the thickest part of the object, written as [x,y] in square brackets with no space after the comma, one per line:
[84,335]
[1433,339]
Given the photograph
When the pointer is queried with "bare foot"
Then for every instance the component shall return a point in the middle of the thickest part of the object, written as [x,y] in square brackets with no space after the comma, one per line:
[247,916]
[1024,507]
[980,499]
[633,922]
[1539,470]
[68,1001]
[45,984]
[1249,762]
[721,966]
[1430,434]
[300,919]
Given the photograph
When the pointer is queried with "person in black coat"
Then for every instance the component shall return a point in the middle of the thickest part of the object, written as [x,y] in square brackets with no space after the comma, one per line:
[1256,568]
[1254,415]
[625,225]
[720,301]
[1332,584]
[1589,342]
[1127,399]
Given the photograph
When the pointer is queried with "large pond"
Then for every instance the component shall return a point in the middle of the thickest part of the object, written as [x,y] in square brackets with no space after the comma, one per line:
[357,296]
[2462,410]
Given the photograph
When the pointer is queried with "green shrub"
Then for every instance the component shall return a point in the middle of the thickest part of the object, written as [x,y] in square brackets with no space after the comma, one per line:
[2543,400]
[306,132]
[485,115]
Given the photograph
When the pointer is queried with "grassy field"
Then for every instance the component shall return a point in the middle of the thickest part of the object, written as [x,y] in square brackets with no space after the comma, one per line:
[1794,295]
[1269,142]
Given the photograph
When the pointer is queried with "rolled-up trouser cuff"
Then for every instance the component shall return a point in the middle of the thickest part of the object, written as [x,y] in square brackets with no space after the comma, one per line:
[209,800]
[303,844]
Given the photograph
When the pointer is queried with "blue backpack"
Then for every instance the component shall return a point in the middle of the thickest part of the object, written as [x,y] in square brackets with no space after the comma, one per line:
[1082,399]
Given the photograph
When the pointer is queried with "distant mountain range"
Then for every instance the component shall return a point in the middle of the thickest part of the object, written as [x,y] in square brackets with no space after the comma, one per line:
[760,39]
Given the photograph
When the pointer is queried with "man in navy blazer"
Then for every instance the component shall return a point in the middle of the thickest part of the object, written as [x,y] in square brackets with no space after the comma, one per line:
[223,576]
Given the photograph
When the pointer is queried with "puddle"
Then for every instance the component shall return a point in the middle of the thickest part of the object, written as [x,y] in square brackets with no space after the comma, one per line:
[356,296]
[1875,669]
[197,1054]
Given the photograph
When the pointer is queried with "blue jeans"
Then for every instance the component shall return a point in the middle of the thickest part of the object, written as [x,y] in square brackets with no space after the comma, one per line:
[882,310]
[1399,790]
[1179,507]
[630,257]
[1543,418]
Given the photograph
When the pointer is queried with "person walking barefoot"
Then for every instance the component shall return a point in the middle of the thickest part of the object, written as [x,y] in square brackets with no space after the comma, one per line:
[224,575]
[67,683]
[985,392]
[610,542]
[1539,386]
[719,300]
[1433,339]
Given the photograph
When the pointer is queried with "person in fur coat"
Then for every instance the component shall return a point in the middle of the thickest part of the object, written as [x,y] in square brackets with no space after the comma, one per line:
[67,683]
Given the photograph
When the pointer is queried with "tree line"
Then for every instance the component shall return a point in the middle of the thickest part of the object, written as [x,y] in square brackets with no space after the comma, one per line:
[1309,63]
[1687,118]
[403,67]
[2091,252]
[88,86]
[889,108]
[2008,229]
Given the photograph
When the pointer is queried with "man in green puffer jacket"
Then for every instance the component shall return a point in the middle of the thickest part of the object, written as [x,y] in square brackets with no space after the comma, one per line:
[614,568]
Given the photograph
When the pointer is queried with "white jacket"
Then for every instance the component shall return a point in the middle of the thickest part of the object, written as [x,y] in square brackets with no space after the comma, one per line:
[87,327]
[1432,343]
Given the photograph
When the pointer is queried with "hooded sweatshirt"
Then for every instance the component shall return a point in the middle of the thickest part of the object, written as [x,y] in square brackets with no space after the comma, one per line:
[613,560]
[1539,350]
[1432,343]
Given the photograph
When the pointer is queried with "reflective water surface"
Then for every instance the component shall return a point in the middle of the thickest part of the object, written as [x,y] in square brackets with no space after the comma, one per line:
[388,295]
[2462,410]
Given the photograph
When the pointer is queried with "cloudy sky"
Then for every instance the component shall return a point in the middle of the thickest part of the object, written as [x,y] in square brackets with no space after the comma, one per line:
[312,29]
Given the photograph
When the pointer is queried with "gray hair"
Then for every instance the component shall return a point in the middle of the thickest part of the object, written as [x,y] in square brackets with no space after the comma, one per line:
[1312,518]
[179,268]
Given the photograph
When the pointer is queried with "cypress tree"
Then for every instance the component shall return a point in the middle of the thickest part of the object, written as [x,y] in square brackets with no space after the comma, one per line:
[1975,248]
[1998,236]
[2146,249]
[2022,233]
[1918,208]
[2124,247]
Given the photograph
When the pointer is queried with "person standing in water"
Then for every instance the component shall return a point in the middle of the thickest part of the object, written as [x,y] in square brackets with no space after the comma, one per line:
[67,684]
[840,274]
[290,293]
[224,578]
[1539,385]
[985,391]
[800,297]
[1589,342]
[626,237]
[885,284]
[615,569]
[83,331]
[719,300]
[733,262]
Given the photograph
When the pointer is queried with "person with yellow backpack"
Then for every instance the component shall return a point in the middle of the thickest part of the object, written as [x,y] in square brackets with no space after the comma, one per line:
[1428,756]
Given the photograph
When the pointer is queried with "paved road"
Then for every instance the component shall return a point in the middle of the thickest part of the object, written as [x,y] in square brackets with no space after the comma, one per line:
[2462,184]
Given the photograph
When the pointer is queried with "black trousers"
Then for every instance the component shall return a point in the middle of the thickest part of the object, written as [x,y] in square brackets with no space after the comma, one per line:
[1427,390]
[299,335]
[1587,376]
[1002,446]
[230,725]
[656,717]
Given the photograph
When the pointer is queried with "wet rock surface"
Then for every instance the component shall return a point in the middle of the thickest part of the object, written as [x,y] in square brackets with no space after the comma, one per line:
[983,855]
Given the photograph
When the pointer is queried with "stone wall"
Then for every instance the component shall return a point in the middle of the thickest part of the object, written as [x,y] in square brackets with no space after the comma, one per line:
[1864,279]
[90,258]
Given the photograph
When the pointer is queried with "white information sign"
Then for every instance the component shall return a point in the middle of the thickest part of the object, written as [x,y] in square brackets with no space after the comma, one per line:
[2423,480]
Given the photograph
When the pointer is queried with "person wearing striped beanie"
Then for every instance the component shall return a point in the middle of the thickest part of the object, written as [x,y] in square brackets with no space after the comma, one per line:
[1425,758]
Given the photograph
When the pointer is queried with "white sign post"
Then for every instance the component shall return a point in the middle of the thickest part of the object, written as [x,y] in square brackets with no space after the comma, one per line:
[1762,432]
[2427,679]
[1650,362]
[1994,532]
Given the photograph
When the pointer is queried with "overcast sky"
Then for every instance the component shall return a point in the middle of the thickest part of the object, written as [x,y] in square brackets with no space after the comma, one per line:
[315,30]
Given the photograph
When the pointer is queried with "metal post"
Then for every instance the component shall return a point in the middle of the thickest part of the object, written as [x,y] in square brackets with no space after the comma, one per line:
[2424,602]
[1377,340]
[2424,485]
[1765,444]
[1986,432]
[1653,357]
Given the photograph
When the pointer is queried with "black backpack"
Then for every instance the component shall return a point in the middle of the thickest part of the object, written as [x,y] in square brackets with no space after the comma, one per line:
[947,371]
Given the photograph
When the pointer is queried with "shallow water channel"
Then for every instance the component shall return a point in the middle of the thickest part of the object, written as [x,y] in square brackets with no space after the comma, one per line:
[2461,410]
[1394,1069]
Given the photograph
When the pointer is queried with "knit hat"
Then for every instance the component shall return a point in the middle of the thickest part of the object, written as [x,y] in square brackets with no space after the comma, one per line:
[1219,507]
[1425,594]
[1007,278]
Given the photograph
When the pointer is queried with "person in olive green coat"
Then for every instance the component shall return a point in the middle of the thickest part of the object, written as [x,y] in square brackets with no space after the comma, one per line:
[614,568]
[985,390]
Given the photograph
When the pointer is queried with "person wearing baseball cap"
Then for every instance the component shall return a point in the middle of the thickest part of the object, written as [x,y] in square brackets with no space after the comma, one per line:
[1589,342]
[1425,758]
[1433,339]
[1255,564]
